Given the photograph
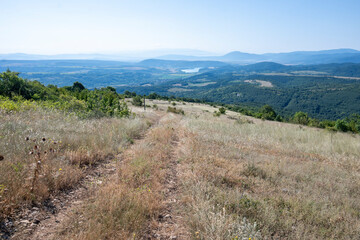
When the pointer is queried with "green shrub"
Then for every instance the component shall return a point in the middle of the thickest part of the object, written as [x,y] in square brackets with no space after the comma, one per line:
[268,113]
[137,101]
[19,94]
[301,118]
[222,110]
[216,114]
[341,125]
[176,111]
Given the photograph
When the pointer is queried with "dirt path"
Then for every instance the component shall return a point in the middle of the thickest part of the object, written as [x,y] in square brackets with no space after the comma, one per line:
[43,223]
[168,225]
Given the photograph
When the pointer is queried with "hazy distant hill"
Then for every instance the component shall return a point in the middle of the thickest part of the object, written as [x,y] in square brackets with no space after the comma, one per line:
[326,91]
[236,57]
[300,57]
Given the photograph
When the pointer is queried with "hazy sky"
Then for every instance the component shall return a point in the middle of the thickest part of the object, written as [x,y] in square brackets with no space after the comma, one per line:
[90,26]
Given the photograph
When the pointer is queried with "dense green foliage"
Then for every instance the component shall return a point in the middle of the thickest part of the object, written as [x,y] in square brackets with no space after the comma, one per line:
[288,91]
[137,101]
[17,93]
[326,92]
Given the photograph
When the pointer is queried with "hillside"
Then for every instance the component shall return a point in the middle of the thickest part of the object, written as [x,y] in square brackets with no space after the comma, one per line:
[160,175]
[327,91]
[298,57]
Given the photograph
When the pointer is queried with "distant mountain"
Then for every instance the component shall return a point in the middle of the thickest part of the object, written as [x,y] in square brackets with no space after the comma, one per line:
[299,57]
[133,56]
[235,57]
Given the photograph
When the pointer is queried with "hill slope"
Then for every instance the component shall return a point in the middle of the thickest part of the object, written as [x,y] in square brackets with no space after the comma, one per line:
[192,176]
[326,91]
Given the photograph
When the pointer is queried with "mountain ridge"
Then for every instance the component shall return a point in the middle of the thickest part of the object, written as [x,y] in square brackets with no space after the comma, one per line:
[342,55]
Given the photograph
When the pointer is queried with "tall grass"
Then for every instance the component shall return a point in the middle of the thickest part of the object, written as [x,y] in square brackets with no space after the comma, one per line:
[47,151]
[294,183]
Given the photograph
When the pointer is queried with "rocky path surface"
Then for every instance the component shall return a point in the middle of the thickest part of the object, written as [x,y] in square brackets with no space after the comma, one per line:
[44,223]
[169,223]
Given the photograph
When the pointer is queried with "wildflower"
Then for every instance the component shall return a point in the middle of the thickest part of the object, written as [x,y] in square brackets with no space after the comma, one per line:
[60,169]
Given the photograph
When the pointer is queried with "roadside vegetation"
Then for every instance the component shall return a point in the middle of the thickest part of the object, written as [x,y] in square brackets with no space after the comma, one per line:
[50,136]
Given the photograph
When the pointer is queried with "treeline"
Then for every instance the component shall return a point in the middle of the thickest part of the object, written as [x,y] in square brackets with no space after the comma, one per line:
[349,124]
[266,112]
[17,93]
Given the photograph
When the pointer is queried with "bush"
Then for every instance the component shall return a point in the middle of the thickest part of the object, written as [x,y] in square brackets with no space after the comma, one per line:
[301,118]
[222,110]
[137,101]
[216,114]
[341,125]
[20,94]
[176,111]
[268,113]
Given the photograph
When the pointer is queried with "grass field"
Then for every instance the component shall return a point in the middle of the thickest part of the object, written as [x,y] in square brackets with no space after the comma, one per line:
[192,176]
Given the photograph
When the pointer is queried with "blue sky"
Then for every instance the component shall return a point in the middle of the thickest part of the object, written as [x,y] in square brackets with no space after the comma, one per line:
[219,26]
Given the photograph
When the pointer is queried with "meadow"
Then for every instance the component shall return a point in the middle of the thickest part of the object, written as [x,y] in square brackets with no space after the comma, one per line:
[195,175]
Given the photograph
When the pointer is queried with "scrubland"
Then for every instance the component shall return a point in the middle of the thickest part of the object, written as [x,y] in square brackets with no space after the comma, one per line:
[233,177]
[48,151]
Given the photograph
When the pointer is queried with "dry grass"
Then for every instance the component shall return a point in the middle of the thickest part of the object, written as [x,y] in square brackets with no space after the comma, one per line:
[123,207]
[294,183]
[45,152]
[238,178]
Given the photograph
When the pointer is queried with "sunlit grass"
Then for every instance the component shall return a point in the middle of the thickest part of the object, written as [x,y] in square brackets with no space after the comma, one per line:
[45,151]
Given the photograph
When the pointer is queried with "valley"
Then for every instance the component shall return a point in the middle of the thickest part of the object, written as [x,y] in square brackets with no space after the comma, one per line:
[325,91]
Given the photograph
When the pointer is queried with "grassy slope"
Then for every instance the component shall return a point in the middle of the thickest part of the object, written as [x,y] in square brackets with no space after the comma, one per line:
[70,146]
[237,178]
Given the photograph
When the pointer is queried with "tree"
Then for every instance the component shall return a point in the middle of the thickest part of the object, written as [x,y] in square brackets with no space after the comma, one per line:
[268,113]
[77,87]
[301,118]
[137,101]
